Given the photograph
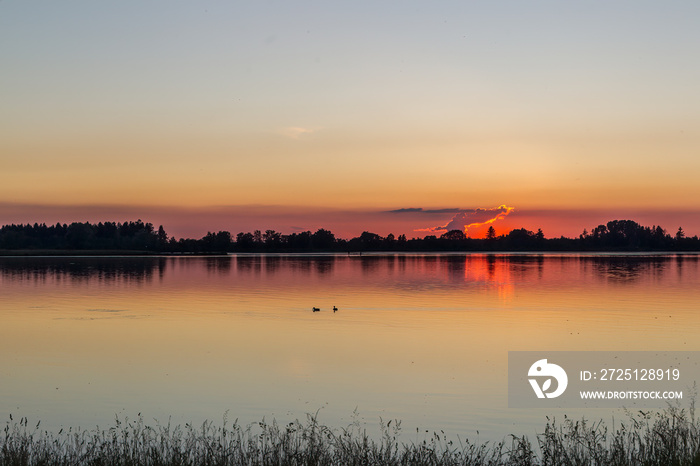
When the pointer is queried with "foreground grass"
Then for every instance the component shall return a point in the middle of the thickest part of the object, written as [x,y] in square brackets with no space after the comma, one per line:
[668,438]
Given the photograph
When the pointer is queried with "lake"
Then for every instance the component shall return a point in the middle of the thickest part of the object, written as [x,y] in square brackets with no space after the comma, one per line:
[417,337]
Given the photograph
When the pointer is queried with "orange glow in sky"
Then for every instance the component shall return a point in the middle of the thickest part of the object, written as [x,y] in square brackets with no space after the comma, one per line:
[241,117]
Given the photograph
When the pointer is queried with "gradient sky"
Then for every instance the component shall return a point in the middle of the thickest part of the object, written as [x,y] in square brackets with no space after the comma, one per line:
[302,115]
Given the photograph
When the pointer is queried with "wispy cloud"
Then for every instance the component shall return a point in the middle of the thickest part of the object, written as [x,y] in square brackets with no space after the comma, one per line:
[406,210]
[297,132]
[472,218]
[423,211]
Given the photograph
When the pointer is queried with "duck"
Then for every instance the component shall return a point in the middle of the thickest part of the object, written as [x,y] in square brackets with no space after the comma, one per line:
[335,308]
[315,309]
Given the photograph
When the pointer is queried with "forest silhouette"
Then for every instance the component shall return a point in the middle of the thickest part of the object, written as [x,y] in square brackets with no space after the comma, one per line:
[140,237]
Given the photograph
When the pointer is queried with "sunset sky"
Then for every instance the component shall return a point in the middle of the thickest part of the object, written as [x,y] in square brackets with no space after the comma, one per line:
[388,116]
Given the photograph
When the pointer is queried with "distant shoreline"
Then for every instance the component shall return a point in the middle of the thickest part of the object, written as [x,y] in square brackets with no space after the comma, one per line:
[139,238]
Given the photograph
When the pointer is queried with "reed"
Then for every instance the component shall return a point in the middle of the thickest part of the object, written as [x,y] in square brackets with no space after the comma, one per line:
[671,437]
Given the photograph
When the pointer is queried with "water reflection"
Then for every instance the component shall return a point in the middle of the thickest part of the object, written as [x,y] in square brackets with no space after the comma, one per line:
[498,269]
[221,265]
[422,338]
[79,269]
[630,268]
[275,264]
[250,264]
[371,264]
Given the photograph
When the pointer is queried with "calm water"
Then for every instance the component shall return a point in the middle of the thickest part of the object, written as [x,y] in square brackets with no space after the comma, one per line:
[421,338]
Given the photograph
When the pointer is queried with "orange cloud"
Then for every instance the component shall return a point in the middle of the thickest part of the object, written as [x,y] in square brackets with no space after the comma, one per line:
[296,132]
[474,218]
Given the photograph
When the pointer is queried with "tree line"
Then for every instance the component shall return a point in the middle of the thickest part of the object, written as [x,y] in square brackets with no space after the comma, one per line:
[616,235]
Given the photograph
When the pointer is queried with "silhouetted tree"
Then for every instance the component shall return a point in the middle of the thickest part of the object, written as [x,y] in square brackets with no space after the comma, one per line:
[79,235]
[454,235]
[623,233]
[162,237]
[390,242]
[299,241]
[521,239]
[245,242]
[491,233]
[216,242]
[366,242]
[272,240]
[322,239]
[616,235]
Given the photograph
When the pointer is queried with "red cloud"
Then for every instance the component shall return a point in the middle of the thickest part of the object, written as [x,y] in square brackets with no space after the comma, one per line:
[465,219]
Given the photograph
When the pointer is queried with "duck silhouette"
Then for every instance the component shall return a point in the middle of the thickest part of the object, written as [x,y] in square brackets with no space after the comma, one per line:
[315,309]
[335,308]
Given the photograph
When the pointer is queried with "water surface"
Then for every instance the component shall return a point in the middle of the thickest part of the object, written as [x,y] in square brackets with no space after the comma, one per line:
[421,338]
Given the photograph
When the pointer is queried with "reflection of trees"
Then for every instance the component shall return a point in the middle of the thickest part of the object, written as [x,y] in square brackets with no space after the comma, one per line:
[371,264]
[218,264]
[401,272]
[684,261]
[628,268]
[106,269]
[455,266]
[273,264]
[508,268]
[249,264]
[491,266]
[321,265]
[324,265]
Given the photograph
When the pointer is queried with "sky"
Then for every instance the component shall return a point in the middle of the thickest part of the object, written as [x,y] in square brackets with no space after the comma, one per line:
[387,116]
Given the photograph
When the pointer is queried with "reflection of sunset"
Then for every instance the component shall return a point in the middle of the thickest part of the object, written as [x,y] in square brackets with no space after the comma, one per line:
[216,333]
[488,269]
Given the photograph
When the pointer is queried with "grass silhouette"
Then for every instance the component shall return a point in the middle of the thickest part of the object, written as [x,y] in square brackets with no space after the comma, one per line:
[670,437]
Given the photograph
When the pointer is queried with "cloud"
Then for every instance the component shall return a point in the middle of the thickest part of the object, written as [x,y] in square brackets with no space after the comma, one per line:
[406,210]
[423,211]
[442,211]
[296,132]
[465,219]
